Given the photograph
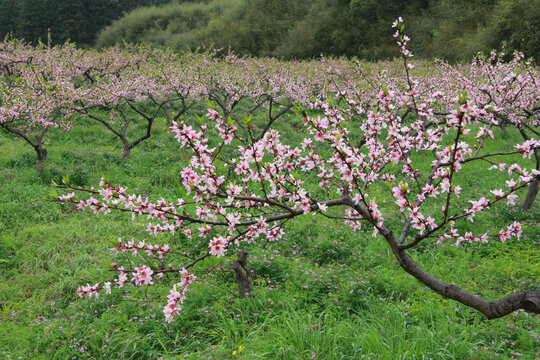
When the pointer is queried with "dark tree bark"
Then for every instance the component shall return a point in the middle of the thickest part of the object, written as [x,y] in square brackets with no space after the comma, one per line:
[36,143]
[245,287]
[272,118]
[127,150]
[527,300]
[531,195]
[121,134]
[41,156]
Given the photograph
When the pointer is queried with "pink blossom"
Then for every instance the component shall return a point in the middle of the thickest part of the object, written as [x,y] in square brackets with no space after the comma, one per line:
[142,276]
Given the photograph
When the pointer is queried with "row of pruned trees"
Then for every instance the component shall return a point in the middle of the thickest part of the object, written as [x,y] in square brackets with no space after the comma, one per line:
[46,87]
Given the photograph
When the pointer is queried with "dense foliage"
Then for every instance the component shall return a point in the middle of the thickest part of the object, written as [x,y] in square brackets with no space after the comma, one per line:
[451,30]
[62,20]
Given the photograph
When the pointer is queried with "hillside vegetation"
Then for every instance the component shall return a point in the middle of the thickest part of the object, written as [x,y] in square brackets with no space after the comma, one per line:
[451,30]
[61,20]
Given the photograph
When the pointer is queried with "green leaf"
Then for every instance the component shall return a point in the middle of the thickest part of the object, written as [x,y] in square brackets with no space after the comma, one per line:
[298,109]
[462,97]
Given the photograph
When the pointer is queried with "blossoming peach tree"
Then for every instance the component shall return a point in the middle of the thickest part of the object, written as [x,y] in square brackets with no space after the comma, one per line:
[35,93]
[122,88]
[241,188]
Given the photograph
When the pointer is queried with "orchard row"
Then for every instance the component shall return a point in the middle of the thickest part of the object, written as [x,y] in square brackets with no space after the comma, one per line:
[49,87]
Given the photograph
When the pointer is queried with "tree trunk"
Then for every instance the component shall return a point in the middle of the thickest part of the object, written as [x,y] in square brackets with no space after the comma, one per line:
[35,143]
[127,151]
[245,288]
[41,156]
[531,195]
[527,300]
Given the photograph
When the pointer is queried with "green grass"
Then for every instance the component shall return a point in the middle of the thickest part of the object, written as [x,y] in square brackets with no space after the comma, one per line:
[333,293]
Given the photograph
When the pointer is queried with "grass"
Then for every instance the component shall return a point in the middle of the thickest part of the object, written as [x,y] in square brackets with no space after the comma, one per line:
[324,292]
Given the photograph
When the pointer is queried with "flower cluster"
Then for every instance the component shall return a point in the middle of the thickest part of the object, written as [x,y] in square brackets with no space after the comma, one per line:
[177,295]
[142,276]
[403,39]
[142,246]
[88,290]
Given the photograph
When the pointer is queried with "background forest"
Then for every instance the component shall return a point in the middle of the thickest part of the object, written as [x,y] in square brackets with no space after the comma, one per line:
[453,30]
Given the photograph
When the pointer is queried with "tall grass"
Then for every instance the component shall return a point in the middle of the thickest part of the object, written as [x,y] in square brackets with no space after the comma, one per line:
[324,292]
